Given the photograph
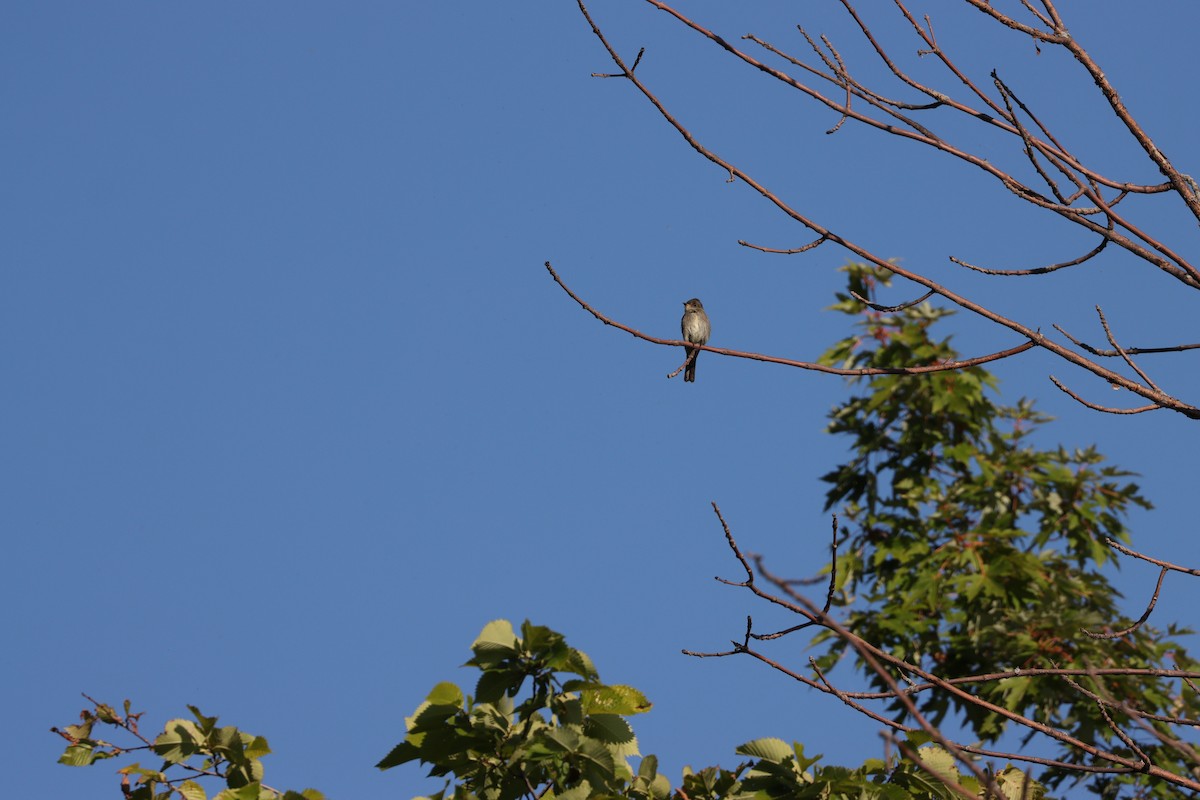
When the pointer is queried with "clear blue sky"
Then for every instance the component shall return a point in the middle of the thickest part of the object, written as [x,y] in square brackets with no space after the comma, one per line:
[292,409]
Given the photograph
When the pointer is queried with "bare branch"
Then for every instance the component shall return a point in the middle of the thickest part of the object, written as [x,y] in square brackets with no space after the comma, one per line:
[1157,562]
[1055,36]
[1102,705]
[1098,407]
[1156,397]
[875,659]
[636,61]
[1037,270]
[813,244]
[738,553]
[999,119]
[828,592]
[946,366]
[1145,614]
[1133,351]
[859,707]
[1178,180]
[692,353]
[890,309]
[1124,355]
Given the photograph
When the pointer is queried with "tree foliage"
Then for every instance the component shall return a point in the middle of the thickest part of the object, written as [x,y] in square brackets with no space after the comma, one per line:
[190,749]
[969,549]
[968,587]
[542,725]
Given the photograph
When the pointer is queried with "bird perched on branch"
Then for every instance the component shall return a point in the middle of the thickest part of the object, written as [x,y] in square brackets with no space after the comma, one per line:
[696,330]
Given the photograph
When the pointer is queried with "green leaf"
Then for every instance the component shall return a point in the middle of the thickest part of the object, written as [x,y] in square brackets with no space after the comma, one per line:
[579,663]
[770,749]
[400,754]
[204,724]
[251,791]
[611,728]
[614,700]
[190,790]
[495,642]
[939,761]
[257,747]
[179,741]
[1018,785]
[445,693]
[107,715]
[79,755]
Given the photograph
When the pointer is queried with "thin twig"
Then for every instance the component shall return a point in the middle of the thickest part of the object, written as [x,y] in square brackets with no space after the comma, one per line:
[1145,614]
[815,243]
[890,309]
[1036,270]
[1123,353]
[1097,406]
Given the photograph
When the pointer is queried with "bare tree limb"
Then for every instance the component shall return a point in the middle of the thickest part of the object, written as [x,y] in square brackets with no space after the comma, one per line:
[947,366]
[1156,397]
[1097,406]
[1133,351]
[1145,614]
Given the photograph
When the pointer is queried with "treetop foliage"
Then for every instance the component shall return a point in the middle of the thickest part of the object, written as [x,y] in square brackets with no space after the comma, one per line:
[967,589]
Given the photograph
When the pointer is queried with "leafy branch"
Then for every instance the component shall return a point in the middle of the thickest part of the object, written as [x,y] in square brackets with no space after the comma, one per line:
[190,749]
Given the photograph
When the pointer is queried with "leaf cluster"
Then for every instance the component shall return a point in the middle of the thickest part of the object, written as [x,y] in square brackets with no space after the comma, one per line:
[190,749]
[968,548]
[543,725]
[566,730]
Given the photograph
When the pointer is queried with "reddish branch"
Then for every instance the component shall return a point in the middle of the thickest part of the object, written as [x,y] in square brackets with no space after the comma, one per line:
[944,366]
[1169,262]
[1157,562]
[1009,115]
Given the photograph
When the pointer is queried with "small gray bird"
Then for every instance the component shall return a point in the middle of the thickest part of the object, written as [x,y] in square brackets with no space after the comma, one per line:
[696,329]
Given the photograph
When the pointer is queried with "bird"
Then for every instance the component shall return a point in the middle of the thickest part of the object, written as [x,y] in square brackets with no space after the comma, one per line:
[696,329]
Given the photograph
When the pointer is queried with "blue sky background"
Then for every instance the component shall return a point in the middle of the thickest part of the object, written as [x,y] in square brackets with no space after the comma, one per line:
[292,407]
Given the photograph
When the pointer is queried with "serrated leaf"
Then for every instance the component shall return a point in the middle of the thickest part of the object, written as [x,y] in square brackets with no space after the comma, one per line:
[579,663]
[445,694]
[494,684]
[400,754]
[939,761]
[190,790]
[611,728]
[204,723]
[770,749]
[496,635]
[179,741]
[1017,785]
[258,747]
